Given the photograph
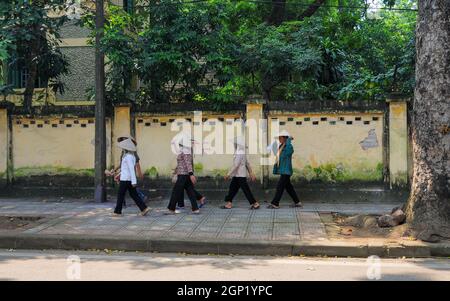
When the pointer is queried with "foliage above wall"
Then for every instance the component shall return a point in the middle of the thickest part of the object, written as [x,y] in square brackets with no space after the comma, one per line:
[223,51]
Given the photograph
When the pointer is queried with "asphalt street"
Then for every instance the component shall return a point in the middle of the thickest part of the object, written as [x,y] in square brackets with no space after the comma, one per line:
[105,265]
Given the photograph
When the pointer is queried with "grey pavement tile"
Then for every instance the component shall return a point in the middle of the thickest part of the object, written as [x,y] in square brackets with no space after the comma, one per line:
[175,234]
[150,233]
[259,226]
[258,236]
[287,237]
[104,232]
[203,234]
[123,232]
[231,235]
[187,223]
[241,226]
[237,220]
[132,227]
[156,227]
[261,219]
[61,231]
[280,228]
[207,229]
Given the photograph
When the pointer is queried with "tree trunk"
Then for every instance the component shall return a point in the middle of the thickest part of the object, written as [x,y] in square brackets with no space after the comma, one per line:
[428,207]
[100,107]
[29,87]
[32,74]
[277,14]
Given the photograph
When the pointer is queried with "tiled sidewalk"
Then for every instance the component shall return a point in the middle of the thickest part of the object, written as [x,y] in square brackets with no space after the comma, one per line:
[239,223]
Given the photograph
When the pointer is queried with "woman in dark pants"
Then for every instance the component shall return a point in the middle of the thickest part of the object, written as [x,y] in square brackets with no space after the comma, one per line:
[239,172]
[128,179]
[115,172]
[198,196]
[185,179]
[283,167]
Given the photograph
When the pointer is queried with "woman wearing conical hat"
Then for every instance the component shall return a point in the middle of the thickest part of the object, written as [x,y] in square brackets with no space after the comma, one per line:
[115,172]
[184,177]
[128,180]
[283,167]
[238,174]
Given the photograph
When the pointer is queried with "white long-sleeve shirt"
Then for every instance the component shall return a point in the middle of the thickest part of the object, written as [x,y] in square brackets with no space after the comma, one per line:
[240,165]
[127,171]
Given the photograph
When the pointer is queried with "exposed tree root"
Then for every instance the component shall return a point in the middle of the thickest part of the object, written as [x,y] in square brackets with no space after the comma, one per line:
[428,233]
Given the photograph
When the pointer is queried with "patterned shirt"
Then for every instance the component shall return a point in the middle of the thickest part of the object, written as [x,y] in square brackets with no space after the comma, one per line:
[184,164]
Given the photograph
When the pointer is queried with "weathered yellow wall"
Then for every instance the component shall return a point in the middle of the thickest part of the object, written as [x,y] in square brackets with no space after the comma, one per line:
[255,112]
[398,143]
[332,141]
[355,147]
[324,141]
[69,145]
[154,144]
[121,127]
[155,151]
[216,164]
[3,141]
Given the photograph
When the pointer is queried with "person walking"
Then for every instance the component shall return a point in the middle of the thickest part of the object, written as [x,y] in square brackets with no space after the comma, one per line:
[184,177]
[238,174]
[139,173]
[283,167]
[198,196]
[128,181]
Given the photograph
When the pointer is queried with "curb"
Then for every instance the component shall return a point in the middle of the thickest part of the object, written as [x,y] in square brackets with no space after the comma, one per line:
[224,247]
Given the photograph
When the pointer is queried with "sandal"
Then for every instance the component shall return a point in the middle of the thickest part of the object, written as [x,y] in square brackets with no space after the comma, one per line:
[225,207]
[272,206]
[297,205]
[145,211]
[253,207]
[202,202]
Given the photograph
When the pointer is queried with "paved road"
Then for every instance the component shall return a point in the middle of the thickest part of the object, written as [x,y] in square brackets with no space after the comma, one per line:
[57,265]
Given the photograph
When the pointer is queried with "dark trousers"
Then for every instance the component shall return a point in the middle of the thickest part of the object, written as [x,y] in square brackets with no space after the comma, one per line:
[284,182]
[183,183]
[125,186]
[140,193]
[198,197]
[236,183]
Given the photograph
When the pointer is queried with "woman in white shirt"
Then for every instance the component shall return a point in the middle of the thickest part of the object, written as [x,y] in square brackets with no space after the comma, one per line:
[128,180]
[241,168]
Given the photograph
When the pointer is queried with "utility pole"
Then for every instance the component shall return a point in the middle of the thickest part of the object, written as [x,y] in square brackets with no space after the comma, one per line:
[100,123]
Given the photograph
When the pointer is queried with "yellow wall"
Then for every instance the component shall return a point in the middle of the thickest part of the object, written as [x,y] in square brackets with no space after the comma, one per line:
[398,143]
[255,113]
[40,144]
[155,151]
[356,147]
[348,145]
[121,127]
[3,141]
[217,164]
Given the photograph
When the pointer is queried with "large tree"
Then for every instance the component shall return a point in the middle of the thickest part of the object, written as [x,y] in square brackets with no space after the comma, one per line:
[32,29]
[428,208]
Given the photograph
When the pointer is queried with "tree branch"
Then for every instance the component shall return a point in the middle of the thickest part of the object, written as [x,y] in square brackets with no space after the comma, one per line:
[311,9]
